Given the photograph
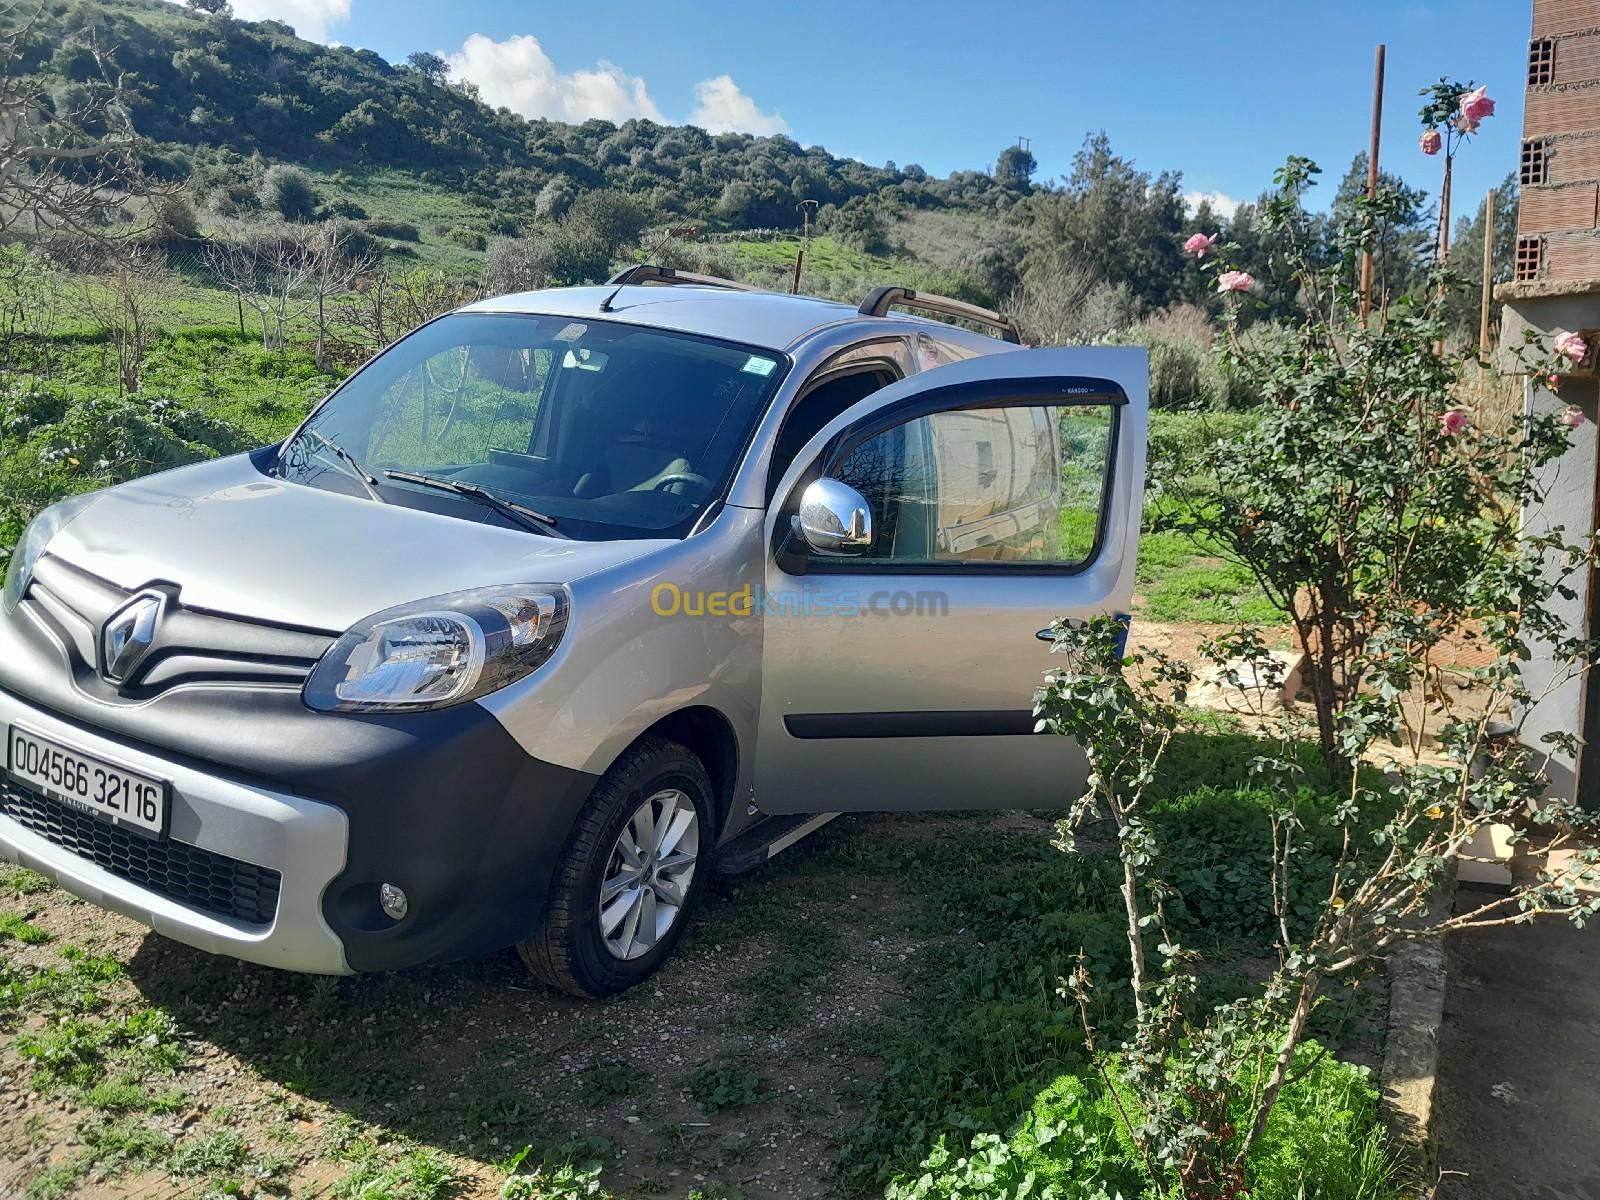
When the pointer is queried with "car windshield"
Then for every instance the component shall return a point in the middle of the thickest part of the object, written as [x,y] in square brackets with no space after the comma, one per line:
[604,430]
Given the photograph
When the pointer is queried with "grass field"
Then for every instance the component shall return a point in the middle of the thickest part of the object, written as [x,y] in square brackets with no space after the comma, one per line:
[886,983]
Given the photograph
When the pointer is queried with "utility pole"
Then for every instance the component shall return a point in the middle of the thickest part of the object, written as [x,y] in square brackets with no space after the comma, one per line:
[807,209]
[1024,143]
[1372,174]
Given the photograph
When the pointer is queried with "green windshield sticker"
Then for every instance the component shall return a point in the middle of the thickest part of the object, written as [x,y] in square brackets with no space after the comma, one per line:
[756,365]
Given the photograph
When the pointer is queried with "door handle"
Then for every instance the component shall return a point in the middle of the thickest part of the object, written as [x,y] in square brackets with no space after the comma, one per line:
[1047,634]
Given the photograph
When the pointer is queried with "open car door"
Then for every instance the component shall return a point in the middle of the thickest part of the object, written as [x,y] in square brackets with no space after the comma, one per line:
[952,517]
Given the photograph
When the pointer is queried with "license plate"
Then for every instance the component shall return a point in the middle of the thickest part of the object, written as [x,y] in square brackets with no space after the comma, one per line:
[87,783]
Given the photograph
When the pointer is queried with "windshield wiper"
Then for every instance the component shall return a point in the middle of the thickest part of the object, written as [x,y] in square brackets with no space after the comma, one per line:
[350,460]
[528,518]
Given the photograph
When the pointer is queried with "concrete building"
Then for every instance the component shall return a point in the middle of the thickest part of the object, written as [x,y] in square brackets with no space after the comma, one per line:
[1555,287]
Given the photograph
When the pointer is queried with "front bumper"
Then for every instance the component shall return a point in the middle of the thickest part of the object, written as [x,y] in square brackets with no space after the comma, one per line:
[303,840]
[446,805]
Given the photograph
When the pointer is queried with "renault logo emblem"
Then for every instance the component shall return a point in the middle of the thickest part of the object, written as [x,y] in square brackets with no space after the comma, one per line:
[129,634]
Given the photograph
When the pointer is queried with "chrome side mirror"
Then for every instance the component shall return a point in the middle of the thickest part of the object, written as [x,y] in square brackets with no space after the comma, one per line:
[834,519]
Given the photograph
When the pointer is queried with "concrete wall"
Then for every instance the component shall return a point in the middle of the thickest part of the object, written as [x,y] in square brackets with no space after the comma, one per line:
[1569,484]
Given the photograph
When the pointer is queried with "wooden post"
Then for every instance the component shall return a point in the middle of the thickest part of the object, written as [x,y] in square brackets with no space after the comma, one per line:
[1488,274]
[1372,172]
[799,262]
[1444,210]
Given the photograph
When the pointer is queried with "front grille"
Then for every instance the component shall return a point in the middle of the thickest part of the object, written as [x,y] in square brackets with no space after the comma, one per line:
[199,878]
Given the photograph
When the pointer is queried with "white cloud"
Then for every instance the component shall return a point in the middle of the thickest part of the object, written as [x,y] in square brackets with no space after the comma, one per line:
[720,107]
[311,18]
[518,74]
[1222,204]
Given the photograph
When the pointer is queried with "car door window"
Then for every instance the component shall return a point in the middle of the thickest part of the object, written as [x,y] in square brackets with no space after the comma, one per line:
[1004,484]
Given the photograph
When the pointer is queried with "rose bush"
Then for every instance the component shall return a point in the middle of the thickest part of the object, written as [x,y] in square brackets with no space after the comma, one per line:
[1371,506]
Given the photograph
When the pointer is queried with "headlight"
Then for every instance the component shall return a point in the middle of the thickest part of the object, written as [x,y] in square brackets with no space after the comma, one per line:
[29,549]
[442,651]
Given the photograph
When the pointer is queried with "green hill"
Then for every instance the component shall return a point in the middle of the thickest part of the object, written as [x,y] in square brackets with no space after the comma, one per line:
[213,91]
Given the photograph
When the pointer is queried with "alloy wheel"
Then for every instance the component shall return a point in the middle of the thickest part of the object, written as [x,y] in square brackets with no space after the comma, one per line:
[647,876]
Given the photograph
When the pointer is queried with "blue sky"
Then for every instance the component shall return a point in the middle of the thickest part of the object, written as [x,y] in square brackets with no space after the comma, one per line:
[1221,91]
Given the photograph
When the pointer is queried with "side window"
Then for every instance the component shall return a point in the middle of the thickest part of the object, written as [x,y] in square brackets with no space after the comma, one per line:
[1015,483]
[459,405]
[844,379]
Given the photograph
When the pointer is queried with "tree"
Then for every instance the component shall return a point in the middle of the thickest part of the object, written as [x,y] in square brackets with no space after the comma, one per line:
[1343,501]
[335,262]
[860,224]
[432,67]
[1120,222]
[126,299]
[269,272]
[1015,167]
[215,8]
[68,163]
[1401,239]
[385,305]
[555,197]
[517,265]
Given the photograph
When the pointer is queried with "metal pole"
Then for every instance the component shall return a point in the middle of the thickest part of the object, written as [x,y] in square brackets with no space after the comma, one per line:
[1372,173]
[1488,273]
[805,207]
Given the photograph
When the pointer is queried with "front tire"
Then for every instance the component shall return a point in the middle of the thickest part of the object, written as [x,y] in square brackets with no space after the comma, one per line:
[632,873]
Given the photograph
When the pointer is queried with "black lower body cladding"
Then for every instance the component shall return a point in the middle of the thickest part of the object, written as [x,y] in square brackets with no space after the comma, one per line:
[445,804]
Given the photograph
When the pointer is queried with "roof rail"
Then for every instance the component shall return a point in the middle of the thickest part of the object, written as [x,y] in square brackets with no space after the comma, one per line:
[642,273]
[880,300]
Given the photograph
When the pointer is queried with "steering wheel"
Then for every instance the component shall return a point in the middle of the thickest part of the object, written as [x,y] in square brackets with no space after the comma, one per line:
[666,481]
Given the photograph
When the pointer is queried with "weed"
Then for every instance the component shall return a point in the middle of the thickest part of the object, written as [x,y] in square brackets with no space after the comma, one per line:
[209,1154]
[15,925]
[717,1088]
[126,1093]
[109,1149]
[19,881]
[557,1177]
[606,1081]
[418,1173]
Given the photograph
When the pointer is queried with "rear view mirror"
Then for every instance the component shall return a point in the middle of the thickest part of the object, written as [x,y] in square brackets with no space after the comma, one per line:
[834,519]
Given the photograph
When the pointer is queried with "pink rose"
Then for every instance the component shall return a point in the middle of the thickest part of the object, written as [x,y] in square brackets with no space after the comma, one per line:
[1573,417]
[1465,124]
[1199,243]
[1475,106]
[1235,281]
[1452,422]
[1431,141]
[1573,346]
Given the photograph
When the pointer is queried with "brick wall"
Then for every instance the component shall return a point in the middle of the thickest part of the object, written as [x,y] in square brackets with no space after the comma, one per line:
[1559,219]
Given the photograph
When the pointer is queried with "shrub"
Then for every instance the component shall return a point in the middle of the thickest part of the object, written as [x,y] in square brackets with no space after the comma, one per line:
[471,239]
[289,192]
[517,265]
[172,219]
[388,227]
[343,206]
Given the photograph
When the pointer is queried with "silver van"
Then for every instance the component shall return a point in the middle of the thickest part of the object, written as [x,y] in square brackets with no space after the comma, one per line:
[557,605]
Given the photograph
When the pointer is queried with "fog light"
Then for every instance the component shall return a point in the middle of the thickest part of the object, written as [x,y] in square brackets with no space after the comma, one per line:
[392,900]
